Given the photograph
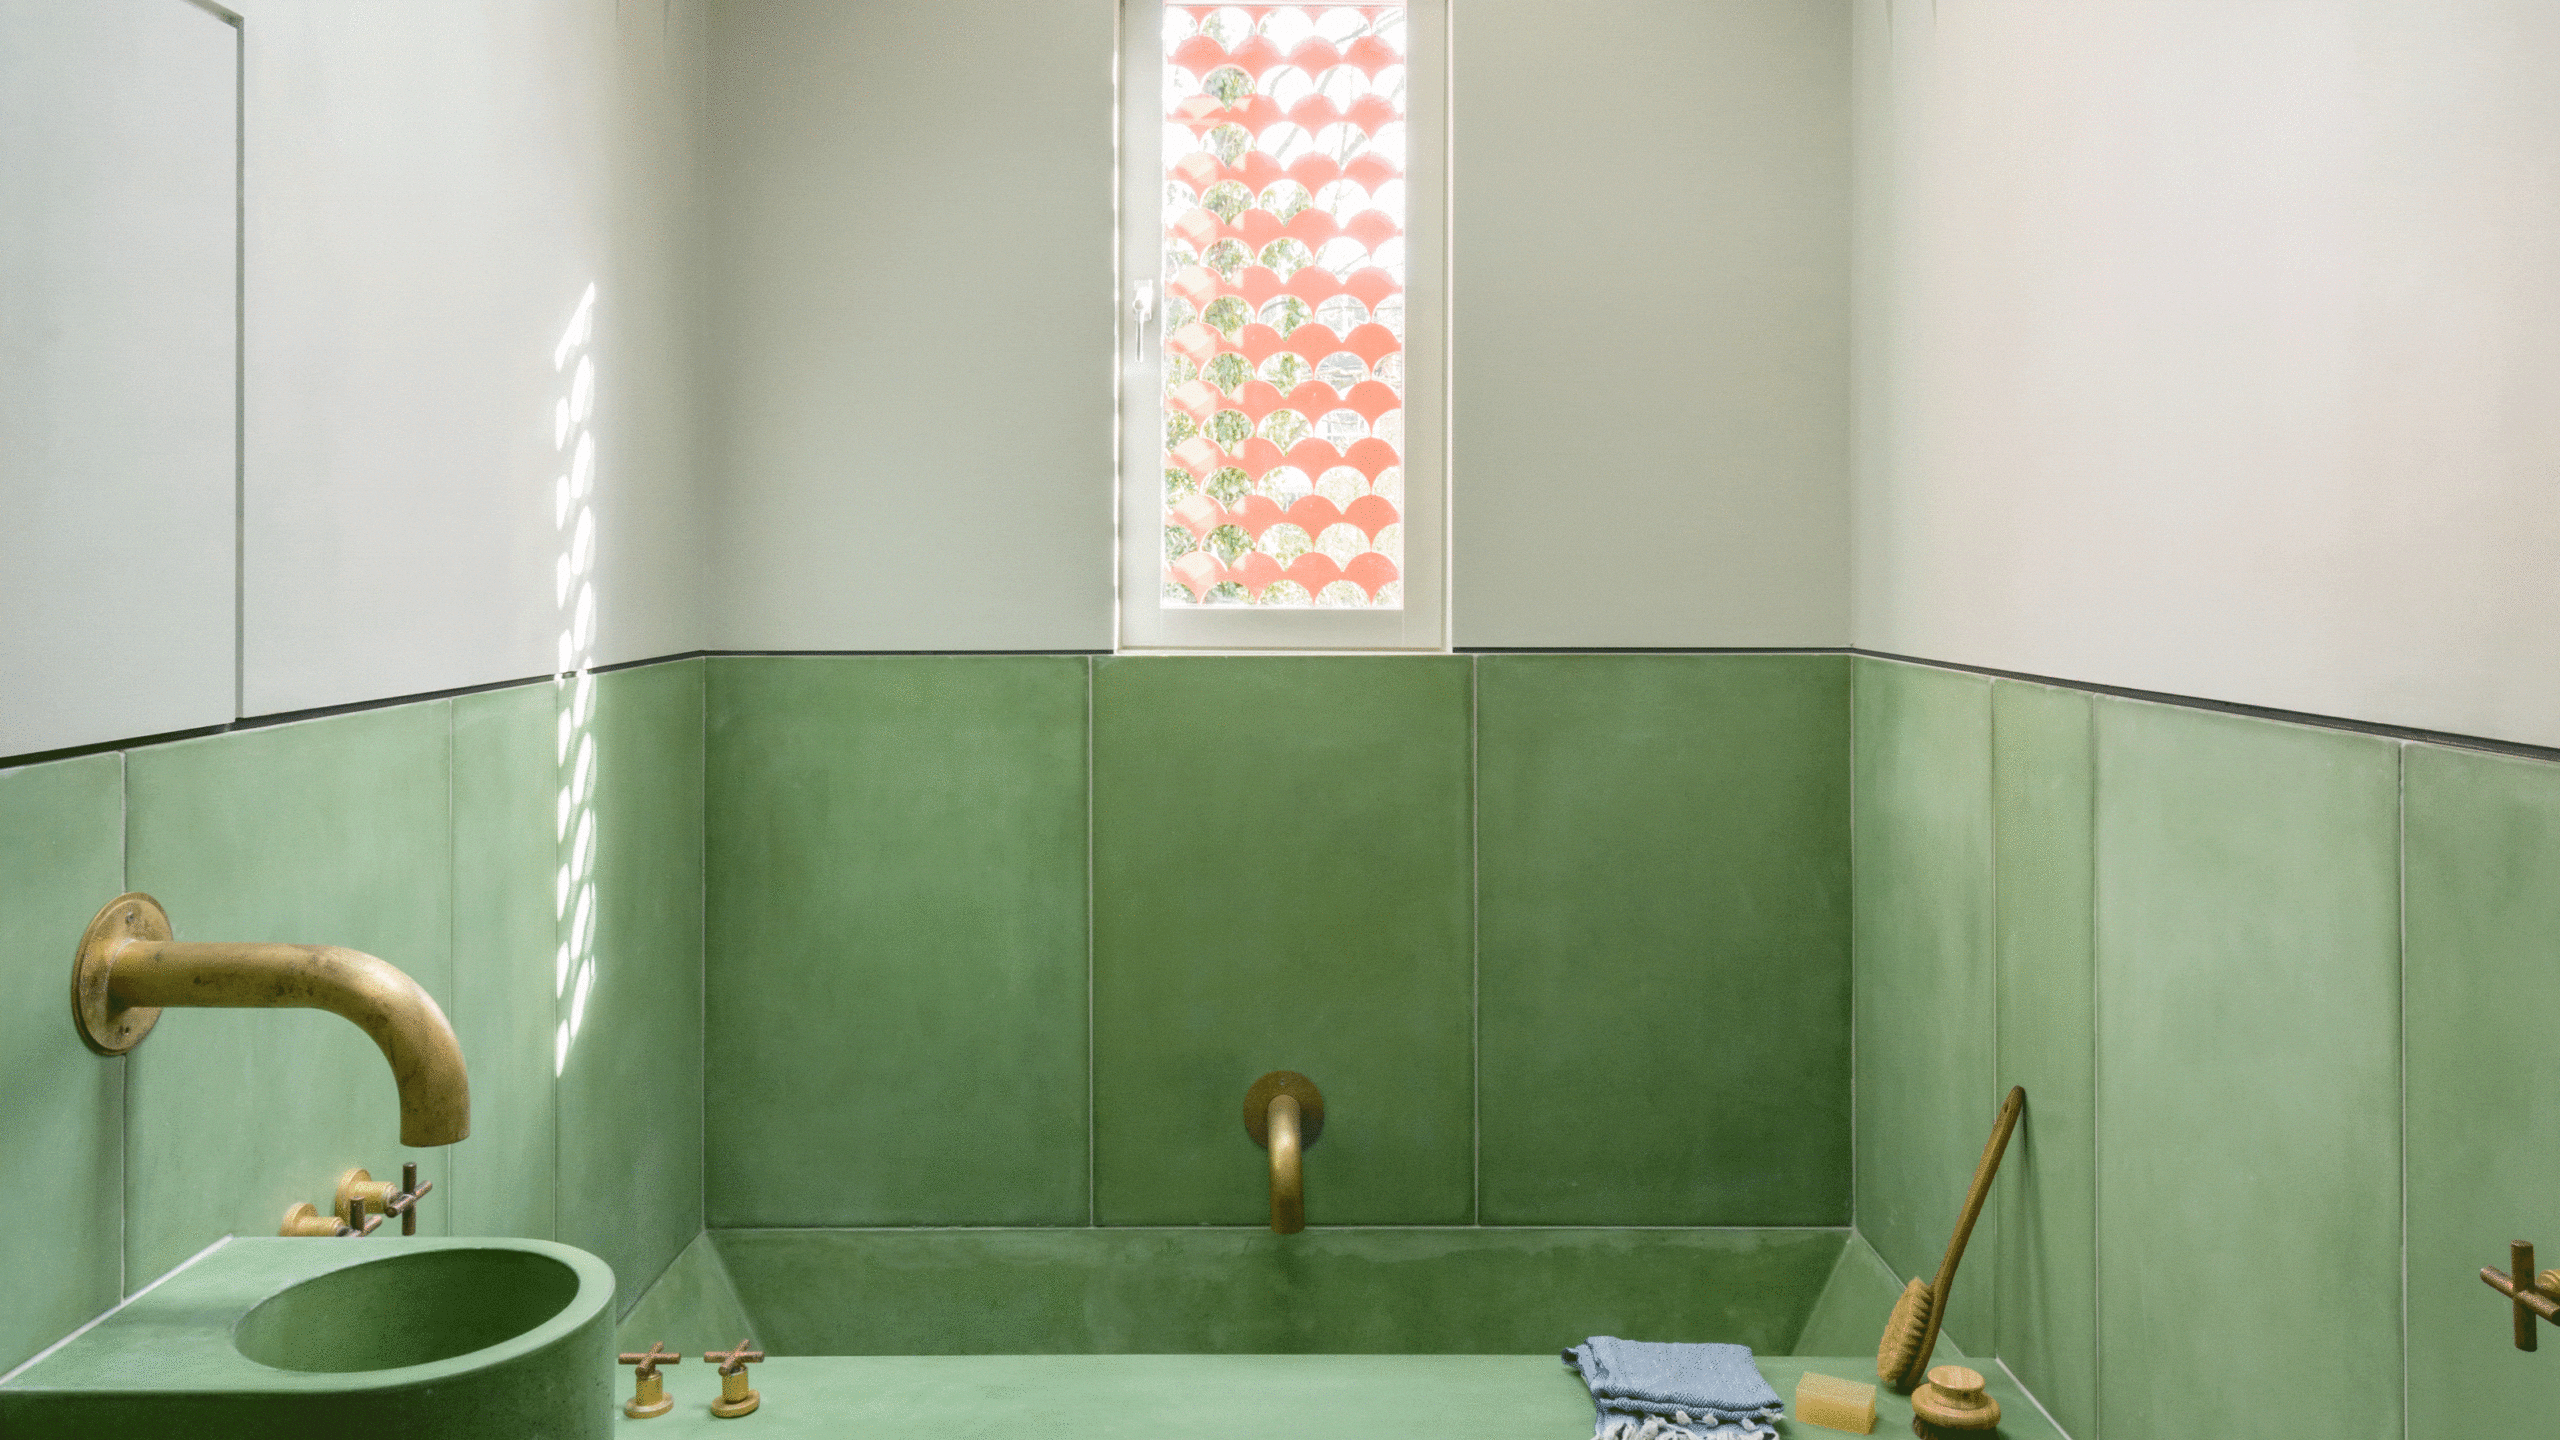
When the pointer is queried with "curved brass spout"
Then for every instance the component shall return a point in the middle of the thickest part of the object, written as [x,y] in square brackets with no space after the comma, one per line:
[1288,1170]
[128,967]
[1284,1112]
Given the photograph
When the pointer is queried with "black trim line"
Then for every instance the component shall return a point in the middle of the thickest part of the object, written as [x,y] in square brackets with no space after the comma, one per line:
[1650,650]
[263,722]
[920,654]
[2517,748]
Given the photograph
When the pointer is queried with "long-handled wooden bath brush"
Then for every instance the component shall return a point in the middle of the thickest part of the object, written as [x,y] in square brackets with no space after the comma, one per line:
[1902,1356]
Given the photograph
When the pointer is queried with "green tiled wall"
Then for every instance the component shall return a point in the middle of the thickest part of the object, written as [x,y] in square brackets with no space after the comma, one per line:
[631,1119]
[1283,871]
[422,833]
[2198,962]
[1921,851]
[62,1130]
[1499,906]
[1282,880]
[328,832]
[897,941]
[2483,1108]
[2045,1256]
[1284,861]
[2248,1040]
[1663,852]
[505,777]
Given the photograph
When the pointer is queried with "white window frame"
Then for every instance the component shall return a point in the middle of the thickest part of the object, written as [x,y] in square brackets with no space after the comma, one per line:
[1143,622]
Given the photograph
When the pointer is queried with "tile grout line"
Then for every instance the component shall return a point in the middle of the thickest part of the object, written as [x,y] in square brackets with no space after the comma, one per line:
[1852,788]
[124,1063]
[701,974]
[551,1086]
[2097,1151]
[1475,928]
[2400,802]
[2032,1398]
[559,937]
[452,927]
[1092,1213]
[1991,817]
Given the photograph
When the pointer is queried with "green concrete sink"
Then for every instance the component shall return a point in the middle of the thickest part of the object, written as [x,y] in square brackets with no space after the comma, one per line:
[271,1336]
[450,1302]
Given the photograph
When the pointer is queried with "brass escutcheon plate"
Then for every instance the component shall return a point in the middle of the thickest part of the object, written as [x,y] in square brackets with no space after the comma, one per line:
[106,1027]
[1257,1106]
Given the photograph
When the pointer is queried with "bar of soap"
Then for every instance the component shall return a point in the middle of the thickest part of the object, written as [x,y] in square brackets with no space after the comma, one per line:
[1836,1404]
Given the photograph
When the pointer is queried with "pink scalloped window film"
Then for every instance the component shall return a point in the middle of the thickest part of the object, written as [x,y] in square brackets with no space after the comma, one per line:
[1284,215]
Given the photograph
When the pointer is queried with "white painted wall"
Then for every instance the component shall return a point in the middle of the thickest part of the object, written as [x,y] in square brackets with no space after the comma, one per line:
[2213,349]
[425,192]
[119,184]
[1650,318]
[911,353]
[430,188]
[2201,348]
[911,356]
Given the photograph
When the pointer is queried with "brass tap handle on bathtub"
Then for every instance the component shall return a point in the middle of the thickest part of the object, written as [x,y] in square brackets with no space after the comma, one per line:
[736,1398]
[2535,1295]
[649,1389]
[1284,1113]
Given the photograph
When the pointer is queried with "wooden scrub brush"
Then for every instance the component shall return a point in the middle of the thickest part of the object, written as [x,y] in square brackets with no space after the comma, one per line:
[1902,1356]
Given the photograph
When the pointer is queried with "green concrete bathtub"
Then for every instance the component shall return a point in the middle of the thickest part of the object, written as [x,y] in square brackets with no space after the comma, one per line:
[1331,1334]
[1202,1290]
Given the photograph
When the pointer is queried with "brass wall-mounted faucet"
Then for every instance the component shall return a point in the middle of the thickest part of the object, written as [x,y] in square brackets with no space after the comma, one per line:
[1284,1113]
[2535,1295]
[128,967]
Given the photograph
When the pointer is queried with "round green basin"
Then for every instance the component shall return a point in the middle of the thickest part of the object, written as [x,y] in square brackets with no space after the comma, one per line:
[409,1309]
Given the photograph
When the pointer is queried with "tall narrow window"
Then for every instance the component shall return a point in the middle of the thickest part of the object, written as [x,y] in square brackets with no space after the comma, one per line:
[1269,456]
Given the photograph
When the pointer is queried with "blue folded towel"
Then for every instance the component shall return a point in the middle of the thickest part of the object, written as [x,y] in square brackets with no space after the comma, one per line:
[1646,1390]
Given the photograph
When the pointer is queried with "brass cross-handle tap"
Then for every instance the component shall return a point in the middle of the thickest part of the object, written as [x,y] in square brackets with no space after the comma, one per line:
[358,1188]
[307,1219]
[735,1398]
[1284,1113]
[649,1397]
[2535,1295]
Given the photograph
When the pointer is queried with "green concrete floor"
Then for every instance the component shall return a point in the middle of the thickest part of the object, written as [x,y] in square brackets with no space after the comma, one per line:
[1227,1397]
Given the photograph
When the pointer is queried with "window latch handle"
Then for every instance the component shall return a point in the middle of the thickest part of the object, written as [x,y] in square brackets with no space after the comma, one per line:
[1142,308]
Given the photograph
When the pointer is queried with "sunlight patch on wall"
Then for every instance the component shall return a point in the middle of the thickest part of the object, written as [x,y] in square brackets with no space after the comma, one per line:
[573,677]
